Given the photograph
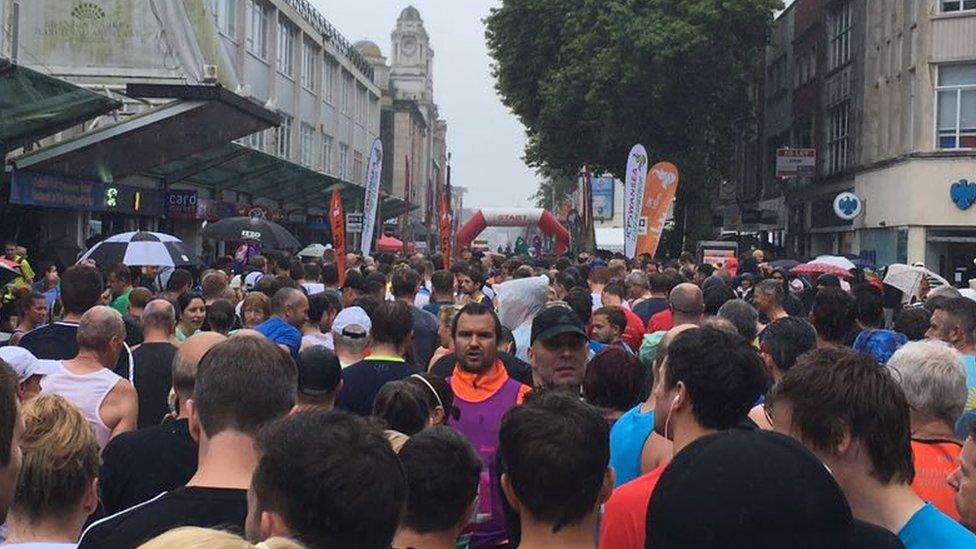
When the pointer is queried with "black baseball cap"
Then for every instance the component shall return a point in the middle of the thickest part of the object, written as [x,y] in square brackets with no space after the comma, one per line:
[355,280]
[556,320]
[725,481]
[319,371]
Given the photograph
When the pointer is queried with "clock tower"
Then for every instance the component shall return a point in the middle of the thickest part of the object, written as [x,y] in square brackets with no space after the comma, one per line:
[412,58]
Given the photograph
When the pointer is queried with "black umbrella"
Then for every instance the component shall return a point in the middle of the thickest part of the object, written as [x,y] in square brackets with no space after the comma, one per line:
[139,248]
[254,229]
[8,272]
[785,264]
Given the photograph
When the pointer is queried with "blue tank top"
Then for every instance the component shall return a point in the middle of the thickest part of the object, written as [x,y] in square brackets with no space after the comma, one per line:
[627,439]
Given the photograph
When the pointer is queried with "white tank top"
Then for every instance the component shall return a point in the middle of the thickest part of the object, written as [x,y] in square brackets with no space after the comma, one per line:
[86,392]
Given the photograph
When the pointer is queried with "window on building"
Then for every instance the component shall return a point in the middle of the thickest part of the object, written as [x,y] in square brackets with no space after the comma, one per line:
[286,48]
[283,136]
[956,91]
[256,140]
[776,75]
[257,28]
[805,68]
[357,167]
[343,161]
[361,105]
[950,6]
[840,24]
[309,60]
[374,107]
[305,145]
[328,79]
[838,120]
[347,90]
[327,154]
[227,17]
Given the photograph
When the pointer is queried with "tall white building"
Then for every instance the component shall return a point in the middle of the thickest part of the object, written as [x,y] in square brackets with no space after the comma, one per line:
[281,54]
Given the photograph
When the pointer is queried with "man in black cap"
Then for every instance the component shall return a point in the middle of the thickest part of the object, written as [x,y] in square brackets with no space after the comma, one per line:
[353,288]
[707,383]
[558,349]
[749,489]
[319,378]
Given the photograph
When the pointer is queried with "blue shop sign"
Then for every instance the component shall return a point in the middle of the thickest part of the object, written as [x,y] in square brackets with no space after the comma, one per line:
[38,189]
[317,222]
[963,193]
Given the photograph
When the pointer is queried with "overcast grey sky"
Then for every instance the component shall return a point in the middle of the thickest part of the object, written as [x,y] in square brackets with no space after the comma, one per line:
[485,139]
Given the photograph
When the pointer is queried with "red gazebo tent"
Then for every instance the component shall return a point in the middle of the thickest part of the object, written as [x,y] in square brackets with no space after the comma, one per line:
[389,244]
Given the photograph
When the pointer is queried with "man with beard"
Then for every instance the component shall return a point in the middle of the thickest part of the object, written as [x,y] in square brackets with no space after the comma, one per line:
[483,392]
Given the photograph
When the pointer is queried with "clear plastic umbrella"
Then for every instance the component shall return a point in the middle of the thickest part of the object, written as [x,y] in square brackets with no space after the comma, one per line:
[835,260]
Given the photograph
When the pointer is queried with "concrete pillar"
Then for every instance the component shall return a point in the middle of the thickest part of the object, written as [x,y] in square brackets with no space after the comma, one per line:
[916,244]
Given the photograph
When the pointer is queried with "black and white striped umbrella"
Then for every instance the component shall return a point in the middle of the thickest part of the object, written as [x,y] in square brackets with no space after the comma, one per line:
[139,248]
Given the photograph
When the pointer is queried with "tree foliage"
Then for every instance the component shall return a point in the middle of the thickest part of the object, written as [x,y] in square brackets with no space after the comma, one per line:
[554,187]
[589,78]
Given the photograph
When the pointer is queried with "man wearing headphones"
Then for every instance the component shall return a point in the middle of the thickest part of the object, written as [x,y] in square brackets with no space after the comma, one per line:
[707,383]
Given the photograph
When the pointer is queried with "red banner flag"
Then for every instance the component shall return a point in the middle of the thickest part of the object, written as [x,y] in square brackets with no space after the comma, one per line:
[445,217]
[338,219]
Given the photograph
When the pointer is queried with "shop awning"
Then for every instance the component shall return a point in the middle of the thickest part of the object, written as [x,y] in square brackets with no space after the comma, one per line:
[392,207]
[34,105]
[236,167]
[201,118]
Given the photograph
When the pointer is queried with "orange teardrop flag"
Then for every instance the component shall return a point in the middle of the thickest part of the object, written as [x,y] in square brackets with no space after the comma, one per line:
[337,217]
[662,183]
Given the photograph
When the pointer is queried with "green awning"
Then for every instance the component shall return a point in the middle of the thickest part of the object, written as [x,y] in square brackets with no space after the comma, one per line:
[34,105]
[392,207]
[200,118]
[235,167]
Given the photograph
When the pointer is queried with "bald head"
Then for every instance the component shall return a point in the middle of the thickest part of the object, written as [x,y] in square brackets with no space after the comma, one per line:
[247,332]
[98,326]
[662,347]
[285,297]
[188,357]
[290,305]
[160,315]
[687,303]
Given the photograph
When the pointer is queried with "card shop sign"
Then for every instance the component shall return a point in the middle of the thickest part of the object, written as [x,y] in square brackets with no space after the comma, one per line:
[181,204]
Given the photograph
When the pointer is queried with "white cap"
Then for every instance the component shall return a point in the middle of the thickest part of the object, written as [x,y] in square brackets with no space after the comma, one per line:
[237,281]
[351,316]
[26,364]
[252,279]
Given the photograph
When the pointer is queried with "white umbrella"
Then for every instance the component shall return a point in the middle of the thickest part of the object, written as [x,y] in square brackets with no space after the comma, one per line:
[907,278]
[836,261]
[313,250]
[904,277]
[139,248]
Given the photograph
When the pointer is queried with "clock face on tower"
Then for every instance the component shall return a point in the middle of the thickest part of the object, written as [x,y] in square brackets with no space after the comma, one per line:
[409,46]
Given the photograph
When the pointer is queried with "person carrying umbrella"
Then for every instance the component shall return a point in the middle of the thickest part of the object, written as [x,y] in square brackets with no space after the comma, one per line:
[18,255]
[17,260]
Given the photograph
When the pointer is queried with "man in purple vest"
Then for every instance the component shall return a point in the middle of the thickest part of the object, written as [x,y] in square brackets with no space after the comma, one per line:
[483,392]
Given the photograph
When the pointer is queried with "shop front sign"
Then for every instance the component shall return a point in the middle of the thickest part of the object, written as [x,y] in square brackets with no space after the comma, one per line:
[848,205]
[963,193]
[181,204]
[39,189]
[213,210]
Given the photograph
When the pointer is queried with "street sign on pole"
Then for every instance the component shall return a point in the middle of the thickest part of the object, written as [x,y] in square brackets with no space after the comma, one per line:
[354,222]
[793,163]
